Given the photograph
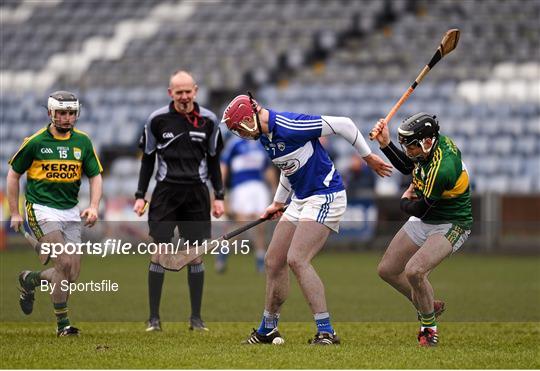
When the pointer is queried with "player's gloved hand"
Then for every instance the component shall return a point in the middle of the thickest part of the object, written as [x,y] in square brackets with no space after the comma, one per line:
[16,222]
[275,209]
[140,206]
[383,136]
[218,208]
[90,215]
[378,165]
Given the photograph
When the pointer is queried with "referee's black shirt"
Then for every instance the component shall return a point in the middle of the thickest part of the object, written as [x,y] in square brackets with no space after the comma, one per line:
[187,148]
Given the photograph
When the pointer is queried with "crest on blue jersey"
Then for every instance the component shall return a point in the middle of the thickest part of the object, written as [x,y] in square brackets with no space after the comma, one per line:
[281,146]
[288,167]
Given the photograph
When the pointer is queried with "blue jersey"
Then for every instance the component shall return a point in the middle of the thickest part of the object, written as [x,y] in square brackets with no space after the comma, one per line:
[294,147]
[245,160]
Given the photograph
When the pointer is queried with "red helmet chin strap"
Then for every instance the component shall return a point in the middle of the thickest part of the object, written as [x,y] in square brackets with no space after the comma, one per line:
[255,113]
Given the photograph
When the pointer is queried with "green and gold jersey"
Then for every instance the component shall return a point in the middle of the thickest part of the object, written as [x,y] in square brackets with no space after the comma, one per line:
[54,167]
[445,179]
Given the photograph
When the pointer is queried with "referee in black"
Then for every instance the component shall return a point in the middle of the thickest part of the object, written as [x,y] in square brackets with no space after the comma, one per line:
[187,141]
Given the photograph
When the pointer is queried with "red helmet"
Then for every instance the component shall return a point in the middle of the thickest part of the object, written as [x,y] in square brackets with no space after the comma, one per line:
[241,117]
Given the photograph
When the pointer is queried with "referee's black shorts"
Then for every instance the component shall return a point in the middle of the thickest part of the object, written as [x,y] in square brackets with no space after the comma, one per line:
[186,206]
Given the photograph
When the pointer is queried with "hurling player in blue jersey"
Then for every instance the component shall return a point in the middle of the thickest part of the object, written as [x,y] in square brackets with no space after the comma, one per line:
[318,202]
[248,172]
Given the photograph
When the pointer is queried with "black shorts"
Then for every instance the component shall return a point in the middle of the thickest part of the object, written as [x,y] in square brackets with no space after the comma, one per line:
[184,206]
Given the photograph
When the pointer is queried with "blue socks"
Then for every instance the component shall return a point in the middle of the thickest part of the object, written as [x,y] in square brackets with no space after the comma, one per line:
[268,323]
[323,322]
[259,261]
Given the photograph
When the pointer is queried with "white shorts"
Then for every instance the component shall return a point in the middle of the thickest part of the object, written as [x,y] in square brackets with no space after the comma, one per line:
[419,232]
[249,198]
[326,209]
[43,220]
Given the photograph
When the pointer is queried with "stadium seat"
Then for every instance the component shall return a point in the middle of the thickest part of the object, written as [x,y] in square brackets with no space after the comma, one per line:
[504,71]
[521,184]
[528,145]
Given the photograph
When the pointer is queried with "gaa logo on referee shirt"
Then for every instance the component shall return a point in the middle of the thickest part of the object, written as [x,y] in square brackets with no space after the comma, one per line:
[77,153]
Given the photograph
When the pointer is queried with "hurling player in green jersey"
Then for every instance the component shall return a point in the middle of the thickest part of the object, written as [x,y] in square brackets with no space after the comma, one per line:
[54,159]
[439,204]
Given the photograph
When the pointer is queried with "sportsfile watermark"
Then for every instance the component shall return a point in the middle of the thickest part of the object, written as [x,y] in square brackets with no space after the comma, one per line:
[114,246]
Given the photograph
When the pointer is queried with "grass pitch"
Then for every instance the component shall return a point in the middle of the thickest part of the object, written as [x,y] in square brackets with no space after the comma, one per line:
[484,295]
[365,345]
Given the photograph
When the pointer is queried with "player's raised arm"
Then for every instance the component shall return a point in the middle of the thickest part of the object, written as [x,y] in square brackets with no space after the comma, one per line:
[396,156]
[346,128]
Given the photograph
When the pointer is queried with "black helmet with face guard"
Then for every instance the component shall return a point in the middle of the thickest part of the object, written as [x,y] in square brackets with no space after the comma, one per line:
[415,129]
